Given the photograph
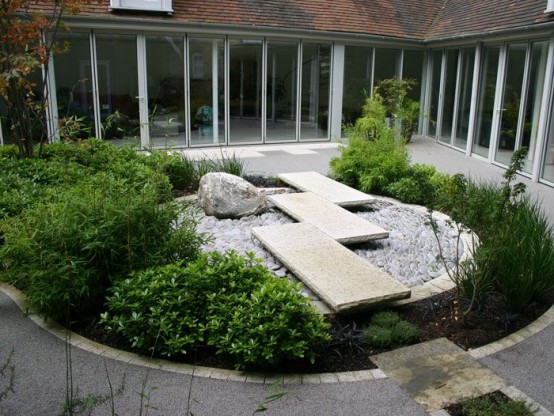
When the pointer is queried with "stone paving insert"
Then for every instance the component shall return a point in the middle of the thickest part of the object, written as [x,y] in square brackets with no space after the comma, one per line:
[338,223]
[338,276]
[327,188]
[438,373]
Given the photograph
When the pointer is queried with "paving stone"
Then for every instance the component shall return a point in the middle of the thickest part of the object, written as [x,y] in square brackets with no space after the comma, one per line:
[340,278]
[327,188]
[338,223]
[438,373]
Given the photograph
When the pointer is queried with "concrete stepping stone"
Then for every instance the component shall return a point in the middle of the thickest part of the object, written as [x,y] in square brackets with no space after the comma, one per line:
[343,280]
[338,223]
[438,373]
[327,188]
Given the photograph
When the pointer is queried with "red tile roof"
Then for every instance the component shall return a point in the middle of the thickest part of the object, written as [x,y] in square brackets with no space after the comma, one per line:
[405,19]
[463,17]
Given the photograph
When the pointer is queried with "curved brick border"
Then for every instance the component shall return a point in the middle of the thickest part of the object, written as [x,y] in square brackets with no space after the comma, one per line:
[221,374]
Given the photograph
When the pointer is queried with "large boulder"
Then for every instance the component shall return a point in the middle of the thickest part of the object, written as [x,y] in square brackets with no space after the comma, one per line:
[228,196]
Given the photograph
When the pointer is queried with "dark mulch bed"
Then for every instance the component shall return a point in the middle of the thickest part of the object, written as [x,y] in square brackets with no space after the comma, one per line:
[436,317]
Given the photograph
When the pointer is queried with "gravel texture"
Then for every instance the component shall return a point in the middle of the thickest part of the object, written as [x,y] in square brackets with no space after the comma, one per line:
[409,254]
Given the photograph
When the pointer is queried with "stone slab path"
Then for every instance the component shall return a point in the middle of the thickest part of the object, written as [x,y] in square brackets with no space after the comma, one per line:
[338,223]
[438,373]
[327,188]
[337,275]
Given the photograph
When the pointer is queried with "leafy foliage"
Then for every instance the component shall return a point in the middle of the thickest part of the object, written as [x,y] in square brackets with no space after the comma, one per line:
[387,329]
[485,406]
[225,300]
[371,165]
[66,252]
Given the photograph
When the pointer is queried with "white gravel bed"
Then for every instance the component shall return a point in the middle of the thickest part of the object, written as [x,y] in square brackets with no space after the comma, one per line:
[409,254]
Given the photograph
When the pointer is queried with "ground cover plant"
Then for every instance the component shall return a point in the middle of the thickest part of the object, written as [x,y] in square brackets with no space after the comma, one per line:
[494,404]
[226,301]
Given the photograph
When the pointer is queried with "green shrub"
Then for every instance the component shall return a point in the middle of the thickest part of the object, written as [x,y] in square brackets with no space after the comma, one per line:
[231,302]
[387,329]
[385,319]
[179,168]
[518,255]
[485,406]
[422,185]
[9,151]
[273,323]
[378,336]
[65,253]
[371,165]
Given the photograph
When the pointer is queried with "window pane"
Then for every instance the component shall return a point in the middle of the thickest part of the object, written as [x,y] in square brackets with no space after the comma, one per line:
[315,91]
[487,87]
[207,98]
[467,57]
[548,168]
[533,102]
[118,87]
[435,93]
[413,69]
[509,116]
[74,87]
[282,59]
[245,89]
[166,86]
[357,81]
[386,64]
[449,95]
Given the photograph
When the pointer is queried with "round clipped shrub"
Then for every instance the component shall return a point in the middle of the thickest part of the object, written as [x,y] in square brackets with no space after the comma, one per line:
[273,323]
[385,319]
[405,333]
[378,336]
[230,302]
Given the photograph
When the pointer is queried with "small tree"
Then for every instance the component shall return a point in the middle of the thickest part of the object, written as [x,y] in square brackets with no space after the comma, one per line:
[27,42]
[398,105]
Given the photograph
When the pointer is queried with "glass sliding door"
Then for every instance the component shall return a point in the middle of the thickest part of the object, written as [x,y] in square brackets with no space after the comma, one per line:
[316,63]
[387,64]
[449,96]
[548,166]
[467,58]
[207,86]
[166,91]
[533,100]
[435,92]
[245,90]
[511,102]
[412,68]
[358,64]
[74,93]
[118,87]
[485,106]
[282,74]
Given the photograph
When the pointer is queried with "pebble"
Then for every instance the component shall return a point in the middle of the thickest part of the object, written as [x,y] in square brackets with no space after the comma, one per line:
[409,254]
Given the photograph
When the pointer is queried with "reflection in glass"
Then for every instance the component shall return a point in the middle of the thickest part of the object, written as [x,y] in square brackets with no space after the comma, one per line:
[315,91]
[435,93]
[485,108]
[245,89]
[207,98]
[357,81]
[166,86]
[509,116]
[467,57]
[281,91]
[449,95]
[548,166]
[386,64]
[413,69]
[533,102]
[74,87]
[118,87]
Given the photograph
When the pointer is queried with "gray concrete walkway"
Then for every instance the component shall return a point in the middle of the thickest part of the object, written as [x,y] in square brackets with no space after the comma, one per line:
[40,359]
